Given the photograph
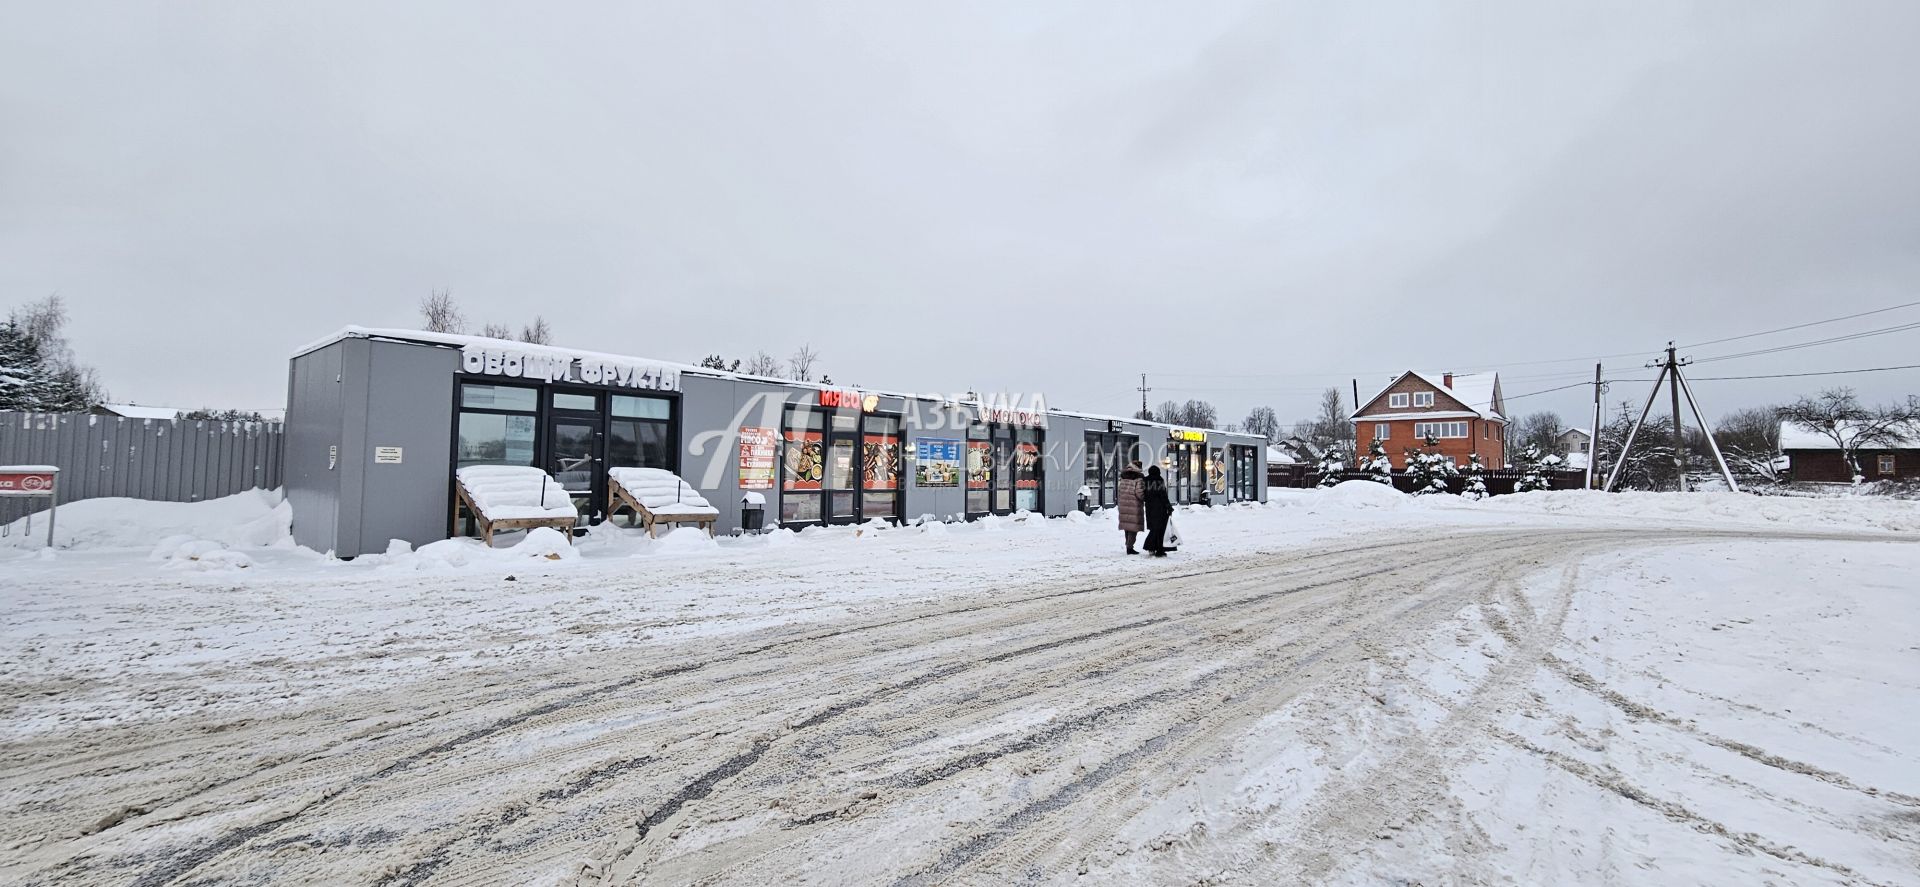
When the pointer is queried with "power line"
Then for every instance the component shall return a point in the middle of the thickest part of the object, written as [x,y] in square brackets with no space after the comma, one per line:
[1801,326]
[1915,366]
[1865,334]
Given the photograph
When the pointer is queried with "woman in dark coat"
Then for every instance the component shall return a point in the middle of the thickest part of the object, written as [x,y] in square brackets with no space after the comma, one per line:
[1132,520]
[1154,501]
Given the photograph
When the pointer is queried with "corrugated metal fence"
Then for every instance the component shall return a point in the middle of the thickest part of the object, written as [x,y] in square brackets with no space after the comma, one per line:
[173,460]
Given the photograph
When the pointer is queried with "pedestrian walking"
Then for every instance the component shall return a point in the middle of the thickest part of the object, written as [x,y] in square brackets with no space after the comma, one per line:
[1158,509]
[1132,519]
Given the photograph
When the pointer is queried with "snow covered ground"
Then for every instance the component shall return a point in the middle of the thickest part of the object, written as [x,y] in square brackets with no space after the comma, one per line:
[1341,686]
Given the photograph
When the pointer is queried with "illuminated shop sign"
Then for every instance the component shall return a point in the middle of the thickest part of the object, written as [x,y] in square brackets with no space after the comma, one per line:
[493,361]
[1191,435]
[838,398]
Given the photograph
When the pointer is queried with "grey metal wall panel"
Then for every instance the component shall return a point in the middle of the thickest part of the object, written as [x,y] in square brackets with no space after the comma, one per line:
[409,404]
[101,456]
[315,419]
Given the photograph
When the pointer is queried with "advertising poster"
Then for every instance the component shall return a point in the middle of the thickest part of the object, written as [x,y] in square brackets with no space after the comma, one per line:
[979,464]
[880,462]
[1026,458]
[1217,472]
[805,464]
[759,447]
[936,462]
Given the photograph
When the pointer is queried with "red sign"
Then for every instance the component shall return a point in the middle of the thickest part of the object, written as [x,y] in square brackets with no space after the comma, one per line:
[27,483]
[840,399]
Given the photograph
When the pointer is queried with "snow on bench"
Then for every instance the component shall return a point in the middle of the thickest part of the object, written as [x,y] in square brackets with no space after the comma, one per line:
[513,497]
[659,496]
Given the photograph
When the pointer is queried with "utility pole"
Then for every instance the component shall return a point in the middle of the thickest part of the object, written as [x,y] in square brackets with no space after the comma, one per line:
[1670,375]
[1144,413]
[1593,436]
[1679,439]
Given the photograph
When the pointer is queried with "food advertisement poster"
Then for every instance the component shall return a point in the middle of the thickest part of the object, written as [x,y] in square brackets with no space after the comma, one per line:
[979,462]
[1026,458]
[936,462]
[759,448]
[1217,472]
[880,462]
[805,464]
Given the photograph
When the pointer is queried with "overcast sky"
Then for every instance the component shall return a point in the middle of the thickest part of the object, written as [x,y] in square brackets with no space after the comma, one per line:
[1248,201]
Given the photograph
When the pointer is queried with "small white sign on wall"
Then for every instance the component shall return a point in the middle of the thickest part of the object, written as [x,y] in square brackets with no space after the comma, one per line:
[386,455]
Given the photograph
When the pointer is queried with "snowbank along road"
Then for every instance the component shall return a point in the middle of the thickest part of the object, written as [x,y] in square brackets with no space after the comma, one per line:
[1032,735]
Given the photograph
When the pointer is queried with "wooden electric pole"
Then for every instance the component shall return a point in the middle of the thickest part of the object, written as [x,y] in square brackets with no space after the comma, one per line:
[1593,436]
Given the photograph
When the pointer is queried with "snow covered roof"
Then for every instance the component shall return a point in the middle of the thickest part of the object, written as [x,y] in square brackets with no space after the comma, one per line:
[136,411]
[1479,392]
[1793,437]
[454,340]
[1277,456]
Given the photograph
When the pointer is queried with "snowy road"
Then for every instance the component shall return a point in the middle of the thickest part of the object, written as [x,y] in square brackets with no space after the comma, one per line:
[1312,714]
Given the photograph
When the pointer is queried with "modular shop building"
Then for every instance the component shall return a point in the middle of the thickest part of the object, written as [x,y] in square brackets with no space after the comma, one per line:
[378,420]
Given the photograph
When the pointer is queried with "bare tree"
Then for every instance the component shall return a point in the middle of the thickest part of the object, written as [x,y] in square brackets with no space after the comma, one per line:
[763,364]
[1262,421]
[1542,429]
[1750,439]
[801,364]
[537,333]
[1840,417]
[1198,414]
[438,314]
[497,331]
[1169,411]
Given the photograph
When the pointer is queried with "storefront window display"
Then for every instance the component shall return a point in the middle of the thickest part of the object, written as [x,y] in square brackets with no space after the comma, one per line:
[802,466]
[880,468]
[1107,454]
[979,470]
[1217,472]
[1027,470]
[1245,464]
[839,466]
[496,425]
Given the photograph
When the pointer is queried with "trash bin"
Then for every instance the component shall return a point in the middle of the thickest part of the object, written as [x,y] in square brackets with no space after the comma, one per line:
[753,512]
[1086,500]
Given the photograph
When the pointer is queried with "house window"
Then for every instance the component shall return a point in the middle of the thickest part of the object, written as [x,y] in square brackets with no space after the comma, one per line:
[1423,398]
[1437,430]
[1382,431]
[1886,464]
[1397,401]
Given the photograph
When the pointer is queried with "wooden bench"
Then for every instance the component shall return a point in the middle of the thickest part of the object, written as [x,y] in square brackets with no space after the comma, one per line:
[512,497]
[657,496]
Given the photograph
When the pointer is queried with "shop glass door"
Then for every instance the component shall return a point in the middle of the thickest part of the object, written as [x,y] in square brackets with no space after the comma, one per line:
[880,462]
[574,456]
[1003,455]
[843,468]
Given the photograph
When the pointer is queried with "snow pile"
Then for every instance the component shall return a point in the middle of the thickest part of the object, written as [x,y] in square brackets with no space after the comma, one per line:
[1363,494]
[185,552]
[682,541]
[252,519]
[515,492]
[663,492]
[461,553]
[1720,508]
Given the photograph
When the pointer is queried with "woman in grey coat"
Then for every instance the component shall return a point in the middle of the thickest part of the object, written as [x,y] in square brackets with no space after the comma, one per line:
[1132,515]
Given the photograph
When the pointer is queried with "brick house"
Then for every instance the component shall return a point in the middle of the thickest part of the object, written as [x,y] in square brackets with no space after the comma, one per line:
[1465,414]
[1816,459]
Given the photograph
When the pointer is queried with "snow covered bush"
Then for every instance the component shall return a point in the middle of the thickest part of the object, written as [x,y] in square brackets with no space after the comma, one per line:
[1430,471]
[1476,479]
[1533,467]
[1332,467]
[1379,467]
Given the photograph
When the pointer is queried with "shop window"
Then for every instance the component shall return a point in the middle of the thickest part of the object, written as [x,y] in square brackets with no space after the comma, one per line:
[642,407]
[880,469]
[494,439]
[495,425]
[1027,470]
[499,397]
[979,470]
[802,467]
[1886,465]
[1217,471]
[563,400]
